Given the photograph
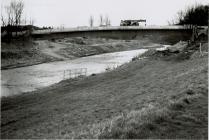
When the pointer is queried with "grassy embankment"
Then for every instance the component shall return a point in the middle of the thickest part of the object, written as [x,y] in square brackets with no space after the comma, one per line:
[163,96]
[19,54]
[183,116]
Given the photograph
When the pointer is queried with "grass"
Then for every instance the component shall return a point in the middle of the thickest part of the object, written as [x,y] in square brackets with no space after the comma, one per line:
[144,123]
[135,58]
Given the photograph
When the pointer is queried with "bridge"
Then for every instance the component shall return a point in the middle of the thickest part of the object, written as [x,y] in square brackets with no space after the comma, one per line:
[158,34]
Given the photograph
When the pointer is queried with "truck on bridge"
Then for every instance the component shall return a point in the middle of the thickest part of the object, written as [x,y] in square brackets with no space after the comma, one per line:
[131,22]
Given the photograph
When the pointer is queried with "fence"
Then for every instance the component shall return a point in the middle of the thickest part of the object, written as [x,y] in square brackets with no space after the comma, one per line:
[72,73]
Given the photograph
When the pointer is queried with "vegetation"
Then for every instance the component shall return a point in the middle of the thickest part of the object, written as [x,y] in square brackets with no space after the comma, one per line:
[104,21]
[151,121]
[194,15]
[91,21]
[13,25]
[13,14]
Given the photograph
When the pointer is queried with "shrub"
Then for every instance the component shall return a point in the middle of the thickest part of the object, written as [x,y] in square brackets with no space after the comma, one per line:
[194,15]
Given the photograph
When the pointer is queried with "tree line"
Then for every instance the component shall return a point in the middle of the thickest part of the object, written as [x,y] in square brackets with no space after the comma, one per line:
[103,21]
[193,15]
[13,25]
[13,14]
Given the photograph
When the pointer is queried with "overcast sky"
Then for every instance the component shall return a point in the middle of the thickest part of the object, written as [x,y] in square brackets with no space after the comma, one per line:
[73,13]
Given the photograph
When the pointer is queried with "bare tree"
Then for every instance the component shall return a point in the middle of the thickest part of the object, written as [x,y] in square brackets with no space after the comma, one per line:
[31,22]
[10,17]
[172,22]
[17,9]
[3,21]
[180,16]
[107,21]
[91,21]
[101,20]
[19,12]
[13,13]
[25,21]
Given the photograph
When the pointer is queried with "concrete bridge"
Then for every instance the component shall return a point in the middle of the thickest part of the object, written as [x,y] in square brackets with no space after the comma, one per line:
[157,34]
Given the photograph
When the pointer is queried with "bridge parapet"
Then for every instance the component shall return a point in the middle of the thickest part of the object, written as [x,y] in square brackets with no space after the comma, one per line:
[82,29]
[155,34]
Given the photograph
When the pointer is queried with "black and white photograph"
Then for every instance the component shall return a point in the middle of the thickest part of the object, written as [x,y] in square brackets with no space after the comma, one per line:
[104,69]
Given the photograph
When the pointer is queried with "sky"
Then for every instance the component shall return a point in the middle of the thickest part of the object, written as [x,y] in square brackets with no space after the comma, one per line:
[74,13]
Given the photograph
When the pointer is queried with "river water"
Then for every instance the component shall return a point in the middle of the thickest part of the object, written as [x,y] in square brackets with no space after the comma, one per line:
[30,78]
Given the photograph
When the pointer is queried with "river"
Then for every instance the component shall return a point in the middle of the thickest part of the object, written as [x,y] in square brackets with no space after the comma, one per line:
[30,78]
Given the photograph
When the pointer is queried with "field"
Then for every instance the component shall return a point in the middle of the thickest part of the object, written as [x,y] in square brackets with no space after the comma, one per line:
[157,97]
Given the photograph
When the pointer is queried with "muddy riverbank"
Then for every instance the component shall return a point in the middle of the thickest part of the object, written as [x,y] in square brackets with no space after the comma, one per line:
[21,54]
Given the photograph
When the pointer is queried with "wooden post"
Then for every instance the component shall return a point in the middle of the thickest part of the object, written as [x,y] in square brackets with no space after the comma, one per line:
[64,75]
[201,50]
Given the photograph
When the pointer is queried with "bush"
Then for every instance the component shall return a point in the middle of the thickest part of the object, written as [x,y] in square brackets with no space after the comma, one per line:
[194,15]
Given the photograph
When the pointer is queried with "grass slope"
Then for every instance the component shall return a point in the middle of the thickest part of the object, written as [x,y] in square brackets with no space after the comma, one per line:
[158,99]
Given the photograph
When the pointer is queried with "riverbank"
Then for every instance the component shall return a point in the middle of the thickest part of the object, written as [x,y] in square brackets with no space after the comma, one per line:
[22,53]
[171,93]
[27,53]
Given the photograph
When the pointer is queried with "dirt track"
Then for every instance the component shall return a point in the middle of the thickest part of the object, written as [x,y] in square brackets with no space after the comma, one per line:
[57,111]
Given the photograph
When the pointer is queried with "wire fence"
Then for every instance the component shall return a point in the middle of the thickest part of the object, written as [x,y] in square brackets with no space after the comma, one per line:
[73,73]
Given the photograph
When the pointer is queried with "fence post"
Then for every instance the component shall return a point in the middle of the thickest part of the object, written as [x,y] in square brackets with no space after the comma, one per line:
[201,49]
[64,75]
